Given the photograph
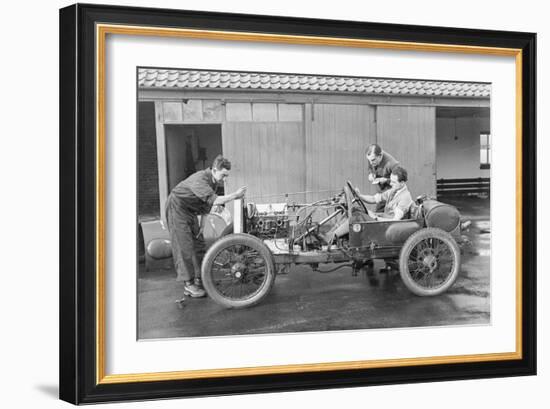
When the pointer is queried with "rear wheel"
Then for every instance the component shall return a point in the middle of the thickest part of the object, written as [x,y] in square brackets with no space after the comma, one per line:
[429,262]
[238,271]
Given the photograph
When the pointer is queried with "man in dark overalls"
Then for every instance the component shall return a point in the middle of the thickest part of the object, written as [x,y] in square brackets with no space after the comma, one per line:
[190,198]
[380,165]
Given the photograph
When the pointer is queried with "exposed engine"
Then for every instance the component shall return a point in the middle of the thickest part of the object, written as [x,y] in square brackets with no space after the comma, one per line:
[267,221]
[305,227]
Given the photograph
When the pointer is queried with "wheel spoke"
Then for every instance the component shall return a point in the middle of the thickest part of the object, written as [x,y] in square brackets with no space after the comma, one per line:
[224,288]
[221,269]
[430,280]
[225,279]
[440,247]
[415,274]
[421,246]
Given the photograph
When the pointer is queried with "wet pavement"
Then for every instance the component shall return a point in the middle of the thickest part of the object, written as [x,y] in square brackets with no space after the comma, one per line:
[304,300]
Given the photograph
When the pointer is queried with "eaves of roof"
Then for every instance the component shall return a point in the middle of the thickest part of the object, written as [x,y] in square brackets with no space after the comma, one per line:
[248,81]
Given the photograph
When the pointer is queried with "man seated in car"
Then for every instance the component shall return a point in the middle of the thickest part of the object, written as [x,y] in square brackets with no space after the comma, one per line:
[398,199]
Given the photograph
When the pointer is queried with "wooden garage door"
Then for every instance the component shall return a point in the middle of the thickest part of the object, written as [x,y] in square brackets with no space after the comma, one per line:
[268,157]
[408,134]
[336,138]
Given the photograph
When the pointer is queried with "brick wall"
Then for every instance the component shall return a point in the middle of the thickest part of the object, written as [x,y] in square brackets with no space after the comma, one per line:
[148,188]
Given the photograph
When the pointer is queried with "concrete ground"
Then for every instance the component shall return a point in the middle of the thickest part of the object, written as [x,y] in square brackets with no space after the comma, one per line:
[303,300]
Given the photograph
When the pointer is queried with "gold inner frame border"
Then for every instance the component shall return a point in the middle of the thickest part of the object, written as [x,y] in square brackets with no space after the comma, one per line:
[102,30]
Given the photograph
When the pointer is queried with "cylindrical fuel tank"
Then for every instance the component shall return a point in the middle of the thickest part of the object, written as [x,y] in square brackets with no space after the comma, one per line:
[441,215]
[215,224]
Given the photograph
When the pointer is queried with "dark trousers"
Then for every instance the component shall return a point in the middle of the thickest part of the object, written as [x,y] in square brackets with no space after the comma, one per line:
[188,246]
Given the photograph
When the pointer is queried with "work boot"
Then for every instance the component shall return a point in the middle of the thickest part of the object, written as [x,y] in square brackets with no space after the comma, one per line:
[192,290]
[198,283]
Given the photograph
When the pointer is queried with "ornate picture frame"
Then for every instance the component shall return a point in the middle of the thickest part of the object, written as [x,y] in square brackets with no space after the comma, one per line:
[84,177]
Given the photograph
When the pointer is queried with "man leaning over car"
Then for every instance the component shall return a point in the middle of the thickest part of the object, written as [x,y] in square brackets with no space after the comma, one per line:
[190,198]
[380,165]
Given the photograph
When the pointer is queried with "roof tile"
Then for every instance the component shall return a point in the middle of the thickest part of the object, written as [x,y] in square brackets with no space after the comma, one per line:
[160,78]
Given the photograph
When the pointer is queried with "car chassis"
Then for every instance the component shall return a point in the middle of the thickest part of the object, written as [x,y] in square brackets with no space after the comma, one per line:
[239,269]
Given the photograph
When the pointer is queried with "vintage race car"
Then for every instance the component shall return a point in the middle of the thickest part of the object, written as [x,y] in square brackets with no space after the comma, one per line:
[239,269]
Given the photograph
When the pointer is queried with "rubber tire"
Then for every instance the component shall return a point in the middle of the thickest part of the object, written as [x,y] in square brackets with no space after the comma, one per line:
[232,240]
[411,242]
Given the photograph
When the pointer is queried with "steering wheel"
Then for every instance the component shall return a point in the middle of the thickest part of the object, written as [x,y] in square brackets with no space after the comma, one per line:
[356,197]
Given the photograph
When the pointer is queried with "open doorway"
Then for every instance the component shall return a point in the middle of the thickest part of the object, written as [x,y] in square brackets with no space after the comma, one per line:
[190,148]
[463,165]
[463,155]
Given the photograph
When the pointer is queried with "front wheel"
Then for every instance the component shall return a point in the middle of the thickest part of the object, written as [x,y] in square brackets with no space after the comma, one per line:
[238,271]
[429,262]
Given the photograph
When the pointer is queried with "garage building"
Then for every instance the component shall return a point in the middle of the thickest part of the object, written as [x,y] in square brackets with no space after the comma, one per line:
[300,137]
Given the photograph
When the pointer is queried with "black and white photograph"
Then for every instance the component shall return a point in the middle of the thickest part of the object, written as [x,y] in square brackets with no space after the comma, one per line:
[275,204]
[281,203]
